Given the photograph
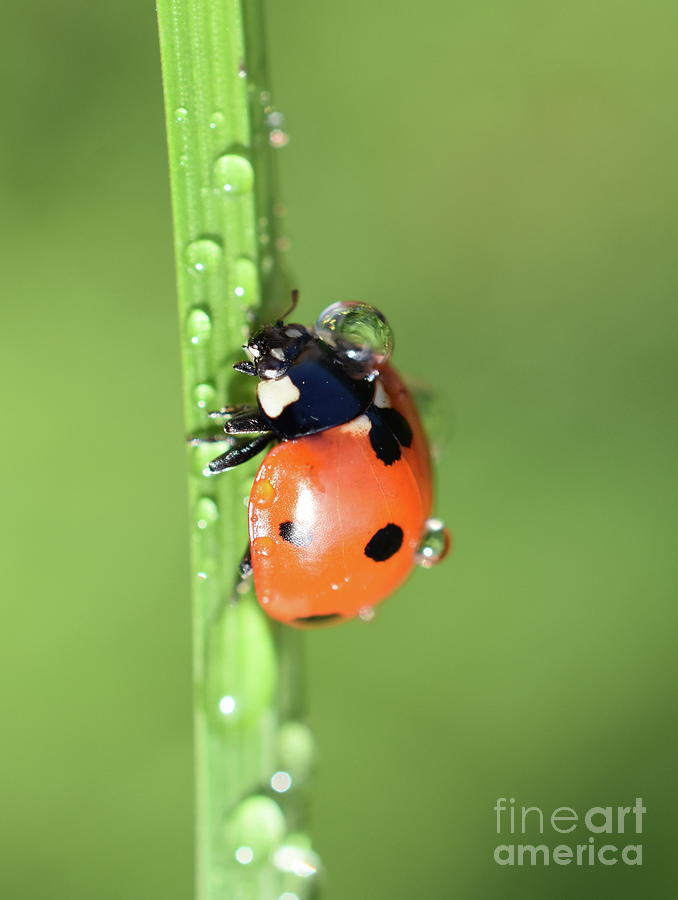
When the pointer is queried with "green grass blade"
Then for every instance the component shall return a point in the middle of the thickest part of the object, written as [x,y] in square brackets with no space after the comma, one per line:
[221,133]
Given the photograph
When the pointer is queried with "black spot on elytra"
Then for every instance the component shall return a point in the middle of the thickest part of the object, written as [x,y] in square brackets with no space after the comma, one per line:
[324,619]
[295,534]
[398,425]
[389,430]
[384,543]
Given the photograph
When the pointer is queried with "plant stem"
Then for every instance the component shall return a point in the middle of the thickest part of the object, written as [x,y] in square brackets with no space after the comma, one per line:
[246,670]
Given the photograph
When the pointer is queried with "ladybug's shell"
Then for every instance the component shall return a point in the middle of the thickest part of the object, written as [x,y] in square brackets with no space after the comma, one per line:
[333,529]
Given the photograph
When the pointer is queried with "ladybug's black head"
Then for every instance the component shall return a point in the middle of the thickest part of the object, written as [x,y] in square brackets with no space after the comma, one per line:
[272,350]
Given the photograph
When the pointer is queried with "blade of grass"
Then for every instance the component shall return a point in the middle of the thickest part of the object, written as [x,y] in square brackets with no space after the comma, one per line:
[221,132]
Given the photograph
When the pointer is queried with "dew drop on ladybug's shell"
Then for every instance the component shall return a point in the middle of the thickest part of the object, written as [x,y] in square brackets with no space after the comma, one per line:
[435,544]
[358,330]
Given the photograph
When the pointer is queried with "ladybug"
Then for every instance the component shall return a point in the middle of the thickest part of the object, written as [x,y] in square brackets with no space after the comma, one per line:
[339,508]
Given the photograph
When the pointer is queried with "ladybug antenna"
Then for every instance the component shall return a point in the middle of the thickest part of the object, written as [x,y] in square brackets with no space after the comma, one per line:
[292,307]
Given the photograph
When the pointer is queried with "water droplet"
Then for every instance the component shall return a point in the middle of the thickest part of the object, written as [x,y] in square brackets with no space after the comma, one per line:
[227,705]
[359,331]
[250,679]
[242,70]
[198,326]
[244,855]
[246,281]
[281,782]
[296,749]
[267,264]
[217,121]
[206,512]
[435,544]
[203,255]
[263,493]
[204,396]
[234,174]
[280,210]
[202,576]
[366,613]
[180,115]
[283,244]
[253,830]
[296,857]
[278,138]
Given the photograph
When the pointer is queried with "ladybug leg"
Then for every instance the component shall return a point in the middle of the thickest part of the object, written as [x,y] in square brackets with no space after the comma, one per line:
[238,454]
[206,437]
[245,565]
[244,574]
[249,422]
[233,410]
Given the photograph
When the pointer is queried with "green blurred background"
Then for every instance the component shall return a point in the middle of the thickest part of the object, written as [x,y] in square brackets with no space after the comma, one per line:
[500,177]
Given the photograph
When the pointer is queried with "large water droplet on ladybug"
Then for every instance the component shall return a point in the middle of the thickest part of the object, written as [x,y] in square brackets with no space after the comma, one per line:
[435,544]
[358,331]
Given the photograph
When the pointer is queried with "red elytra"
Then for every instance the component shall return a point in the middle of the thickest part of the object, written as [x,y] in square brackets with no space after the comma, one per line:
[333,529]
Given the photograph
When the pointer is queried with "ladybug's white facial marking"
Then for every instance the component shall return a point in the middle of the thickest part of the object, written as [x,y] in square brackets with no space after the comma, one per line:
[381,398]
[275,396]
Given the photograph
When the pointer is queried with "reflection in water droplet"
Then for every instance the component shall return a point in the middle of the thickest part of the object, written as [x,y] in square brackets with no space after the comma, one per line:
[281,782]
[358,330]
[227,705]
[366,613]
[435,544]
[201,575]
[206,512]
[296,859]
[203,255]
[288,895]
[180,115]
[198,326]
[233,174]
[204,395]
[244,855]
[242,70]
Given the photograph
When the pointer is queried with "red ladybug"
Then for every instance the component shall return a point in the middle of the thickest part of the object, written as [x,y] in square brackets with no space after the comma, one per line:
[339,509]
